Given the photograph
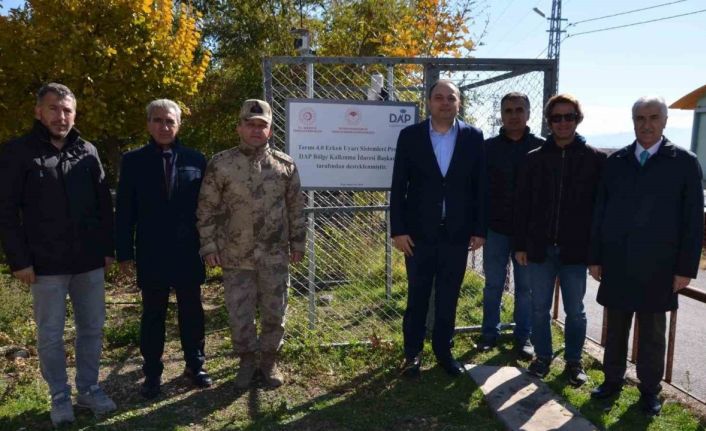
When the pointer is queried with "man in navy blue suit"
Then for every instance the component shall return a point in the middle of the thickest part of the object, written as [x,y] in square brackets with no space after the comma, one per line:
[437,211]
[156,228]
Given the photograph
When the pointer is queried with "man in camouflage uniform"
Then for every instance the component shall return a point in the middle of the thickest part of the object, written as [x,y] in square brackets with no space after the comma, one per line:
[251,222]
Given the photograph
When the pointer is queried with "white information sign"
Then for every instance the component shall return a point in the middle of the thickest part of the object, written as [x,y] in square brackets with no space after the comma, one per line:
[344,144]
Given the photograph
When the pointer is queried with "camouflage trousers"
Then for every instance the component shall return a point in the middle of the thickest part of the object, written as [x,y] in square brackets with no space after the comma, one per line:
[249,292]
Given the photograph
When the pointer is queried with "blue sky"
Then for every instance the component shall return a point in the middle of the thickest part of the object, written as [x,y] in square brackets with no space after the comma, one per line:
[607,70]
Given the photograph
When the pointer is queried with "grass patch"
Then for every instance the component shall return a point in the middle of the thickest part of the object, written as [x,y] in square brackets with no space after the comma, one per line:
[350,387]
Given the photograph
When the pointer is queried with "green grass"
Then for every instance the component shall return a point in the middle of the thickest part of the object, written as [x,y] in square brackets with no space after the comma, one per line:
[350,387]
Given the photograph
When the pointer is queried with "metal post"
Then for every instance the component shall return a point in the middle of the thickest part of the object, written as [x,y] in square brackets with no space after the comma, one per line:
[388,244]
[670,346]
[635,339]
[557,289]
[388,253]
[311,220]
[267,84]
[391,83]
[550,85]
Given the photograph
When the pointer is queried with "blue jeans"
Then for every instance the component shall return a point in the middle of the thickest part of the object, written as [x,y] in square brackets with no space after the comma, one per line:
[87,295]
[496,254]
[572,279]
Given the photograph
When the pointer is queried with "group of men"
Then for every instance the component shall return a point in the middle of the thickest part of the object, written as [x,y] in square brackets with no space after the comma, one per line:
[242,211]
[557,208]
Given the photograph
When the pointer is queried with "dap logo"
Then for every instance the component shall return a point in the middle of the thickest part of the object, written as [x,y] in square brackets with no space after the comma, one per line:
[402,117]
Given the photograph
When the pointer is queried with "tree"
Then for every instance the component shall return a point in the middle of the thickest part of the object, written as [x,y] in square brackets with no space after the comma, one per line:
[397,28]
[241,33]
[116,55]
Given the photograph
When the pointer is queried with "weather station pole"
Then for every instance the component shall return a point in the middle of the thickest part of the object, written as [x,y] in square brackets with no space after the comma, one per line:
[555,31]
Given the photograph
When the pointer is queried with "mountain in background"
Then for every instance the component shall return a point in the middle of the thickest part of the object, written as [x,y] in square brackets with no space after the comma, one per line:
[681,137]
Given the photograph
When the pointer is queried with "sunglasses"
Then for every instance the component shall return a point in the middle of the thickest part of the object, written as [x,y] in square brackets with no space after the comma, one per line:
[569,118]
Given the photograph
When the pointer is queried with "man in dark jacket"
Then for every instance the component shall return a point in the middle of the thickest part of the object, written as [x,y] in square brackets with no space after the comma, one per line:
[646,246]
[555,197]
[56,227]
[504,155]
[156,225]
[437,212]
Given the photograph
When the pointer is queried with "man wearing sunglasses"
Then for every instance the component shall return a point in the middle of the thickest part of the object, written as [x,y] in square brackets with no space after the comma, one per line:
[555,197]
[156,232]
[645,246]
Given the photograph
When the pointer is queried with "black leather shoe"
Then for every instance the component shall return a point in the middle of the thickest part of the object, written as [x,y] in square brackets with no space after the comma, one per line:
[150,388]
[650,404]
[411,366]
[524,349]
[452,367]
[199,378]
[606,390]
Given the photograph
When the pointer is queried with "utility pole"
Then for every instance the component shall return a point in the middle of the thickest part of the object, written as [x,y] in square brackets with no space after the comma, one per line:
[555,31]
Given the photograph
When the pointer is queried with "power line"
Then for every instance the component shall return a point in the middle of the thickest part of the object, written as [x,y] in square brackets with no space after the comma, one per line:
[638,23]
[626,12]
[546,47]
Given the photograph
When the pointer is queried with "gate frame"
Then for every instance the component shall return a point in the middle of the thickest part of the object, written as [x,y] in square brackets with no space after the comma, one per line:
[432,69]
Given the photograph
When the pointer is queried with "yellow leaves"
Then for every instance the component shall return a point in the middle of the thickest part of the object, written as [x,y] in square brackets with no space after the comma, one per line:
[147,6]
[399,28]
[123,52]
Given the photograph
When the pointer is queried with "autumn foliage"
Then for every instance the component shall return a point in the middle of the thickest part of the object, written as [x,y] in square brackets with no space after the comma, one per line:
[116,55]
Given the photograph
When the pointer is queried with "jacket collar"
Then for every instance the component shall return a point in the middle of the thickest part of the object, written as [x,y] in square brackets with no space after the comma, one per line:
[524,137]
[426,124]
[578,143]
[158,150]
[254,153]
[41,133]
[666,148]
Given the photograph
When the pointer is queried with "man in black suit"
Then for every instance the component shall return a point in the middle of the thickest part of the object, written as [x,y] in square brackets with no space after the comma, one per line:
[437,211]
[156,222]
[645,247]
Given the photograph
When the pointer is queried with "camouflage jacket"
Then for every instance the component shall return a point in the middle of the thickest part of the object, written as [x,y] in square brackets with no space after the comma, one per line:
[251,208]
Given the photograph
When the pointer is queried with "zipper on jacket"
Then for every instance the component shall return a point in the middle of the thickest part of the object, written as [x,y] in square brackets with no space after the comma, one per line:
[558,205]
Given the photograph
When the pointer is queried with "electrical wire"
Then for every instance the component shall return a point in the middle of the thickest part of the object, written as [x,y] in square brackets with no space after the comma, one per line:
[626,12]
[637,23]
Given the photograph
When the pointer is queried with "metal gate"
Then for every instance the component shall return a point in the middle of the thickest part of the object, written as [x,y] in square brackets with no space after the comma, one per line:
[351,286]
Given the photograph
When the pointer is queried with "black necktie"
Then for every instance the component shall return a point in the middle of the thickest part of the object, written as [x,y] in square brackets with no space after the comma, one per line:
[168,172]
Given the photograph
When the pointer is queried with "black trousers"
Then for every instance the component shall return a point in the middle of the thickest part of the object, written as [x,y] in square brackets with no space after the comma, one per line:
[650,353]
[441,265]
[191,326]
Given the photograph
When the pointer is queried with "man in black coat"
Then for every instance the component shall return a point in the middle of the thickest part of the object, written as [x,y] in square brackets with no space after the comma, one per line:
[437,212]
[646,246]
[56,227]
[505,154]
[156,228]
[556,192]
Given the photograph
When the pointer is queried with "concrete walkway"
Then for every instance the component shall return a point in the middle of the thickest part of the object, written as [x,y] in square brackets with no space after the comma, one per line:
[525,403]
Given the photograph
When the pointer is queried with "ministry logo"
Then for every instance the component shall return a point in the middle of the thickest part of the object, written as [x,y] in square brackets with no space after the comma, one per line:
[353,116]
[307,117]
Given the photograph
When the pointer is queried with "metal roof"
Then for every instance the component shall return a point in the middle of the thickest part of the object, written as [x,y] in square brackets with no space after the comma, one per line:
[691,100]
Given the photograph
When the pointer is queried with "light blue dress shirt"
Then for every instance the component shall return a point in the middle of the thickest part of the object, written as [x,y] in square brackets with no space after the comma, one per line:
[443,145]
[652,150]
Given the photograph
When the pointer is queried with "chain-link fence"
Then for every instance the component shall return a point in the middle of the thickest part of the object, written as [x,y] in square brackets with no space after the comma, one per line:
[351,286]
